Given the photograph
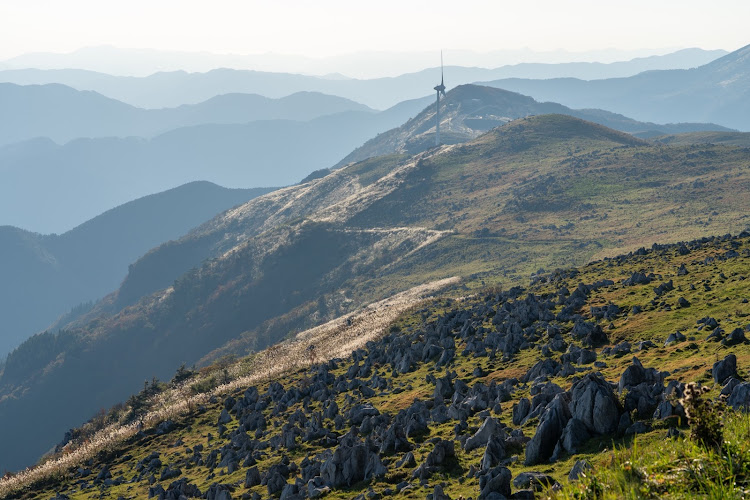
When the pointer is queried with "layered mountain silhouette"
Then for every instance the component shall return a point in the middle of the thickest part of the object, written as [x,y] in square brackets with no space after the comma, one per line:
[44,276]
[121,61]
[548,190]
[715,92]
[46,187]
[85,176]
[62,113]
[170,89]
[470,110]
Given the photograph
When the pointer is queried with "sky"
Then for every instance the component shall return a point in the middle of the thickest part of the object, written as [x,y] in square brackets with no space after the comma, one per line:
[326,28]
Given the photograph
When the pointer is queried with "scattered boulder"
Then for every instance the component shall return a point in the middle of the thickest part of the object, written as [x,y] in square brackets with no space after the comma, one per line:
[408,461]
[521,410]
[717,335]
[489,428]
[595,404]
[740,398]
[548,432]
[165,427]
[536,480]
[724,369]
[590,334]
[645,345]
[182,489]
[495,481]
[620,349]
[352,461]
[674,337]
[543,368]
[494,453]
[442,456]
[170,473]
[729,385]
[219,492]
[579,469]
[736,337]
[439,494]
[637,428]
[252,477]
[359,412]
[224,417]
[637,278]
[574,436]
[664,288]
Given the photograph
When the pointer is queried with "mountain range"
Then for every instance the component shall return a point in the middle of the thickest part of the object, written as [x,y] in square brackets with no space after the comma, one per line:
[537,193]
[251,154]
[50,188]
[174,88]
[44,276]
[715,92]
[470,110]
[63,114]
[364,65]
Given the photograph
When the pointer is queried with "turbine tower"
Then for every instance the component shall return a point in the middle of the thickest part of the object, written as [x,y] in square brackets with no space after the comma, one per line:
[440,90]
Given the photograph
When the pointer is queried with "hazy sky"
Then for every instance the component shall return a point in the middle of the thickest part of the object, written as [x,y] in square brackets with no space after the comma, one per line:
[332,27]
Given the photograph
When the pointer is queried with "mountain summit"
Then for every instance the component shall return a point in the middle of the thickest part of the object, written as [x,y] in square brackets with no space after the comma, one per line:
[468,111]
[716,92]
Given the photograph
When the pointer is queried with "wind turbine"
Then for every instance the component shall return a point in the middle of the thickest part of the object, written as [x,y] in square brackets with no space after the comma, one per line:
[440,90]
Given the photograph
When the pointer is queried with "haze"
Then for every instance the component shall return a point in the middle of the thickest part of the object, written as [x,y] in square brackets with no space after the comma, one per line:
[505,33]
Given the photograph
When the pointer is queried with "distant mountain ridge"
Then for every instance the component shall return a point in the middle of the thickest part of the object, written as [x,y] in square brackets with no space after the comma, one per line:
[44,276]
[63,113]
[716,92]
[47,187]
[169,89]
[142,62]
[468,111]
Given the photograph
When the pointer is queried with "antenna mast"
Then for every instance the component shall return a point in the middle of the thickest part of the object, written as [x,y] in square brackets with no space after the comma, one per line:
[440,89]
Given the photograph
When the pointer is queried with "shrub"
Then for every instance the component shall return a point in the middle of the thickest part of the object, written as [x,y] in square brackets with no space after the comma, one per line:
[705,416]
[182,374]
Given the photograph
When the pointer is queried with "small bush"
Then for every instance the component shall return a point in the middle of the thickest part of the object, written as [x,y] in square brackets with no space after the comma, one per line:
[181,375]
[705,416]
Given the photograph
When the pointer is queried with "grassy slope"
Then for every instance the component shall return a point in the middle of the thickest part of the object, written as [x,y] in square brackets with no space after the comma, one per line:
[741,139]
[546,192]
[660,467]
[542,192]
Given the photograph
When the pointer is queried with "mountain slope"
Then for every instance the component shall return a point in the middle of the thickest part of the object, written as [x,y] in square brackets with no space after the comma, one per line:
[504,391]
[728,138]
[715,92]
[63,114]
[468,111]
[44,276]
[540,192]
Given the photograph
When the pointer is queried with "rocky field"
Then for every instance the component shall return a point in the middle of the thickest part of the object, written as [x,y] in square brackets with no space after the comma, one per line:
[505,393]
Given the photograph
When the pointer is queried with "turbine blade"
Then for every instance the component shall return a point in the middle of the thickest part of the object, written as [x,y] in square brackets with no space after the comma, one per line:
[441,67]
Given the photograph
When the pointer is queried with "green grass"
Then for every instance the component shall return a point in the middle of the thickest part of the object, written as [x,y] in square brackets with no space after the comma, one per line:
[649,466]
[655,467]
[472,191]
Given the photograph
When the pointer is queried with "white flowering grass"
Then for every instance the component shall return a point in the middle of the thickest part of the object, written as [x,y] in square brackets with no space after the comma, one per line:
[335,339]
